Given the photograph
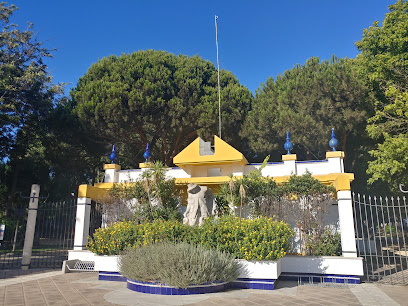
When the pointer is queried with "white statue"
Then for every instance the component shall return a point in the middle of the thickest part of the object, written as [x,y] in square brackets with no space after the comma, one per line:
[200,204]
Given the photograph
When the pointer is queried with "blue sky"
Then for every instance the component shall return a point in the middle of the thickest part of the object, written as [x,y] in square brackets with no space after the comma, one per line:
[257,39]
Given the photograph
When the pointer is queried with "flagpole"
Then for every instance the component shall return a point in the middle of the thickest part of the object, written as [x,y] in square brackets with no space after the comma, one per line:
[219,90]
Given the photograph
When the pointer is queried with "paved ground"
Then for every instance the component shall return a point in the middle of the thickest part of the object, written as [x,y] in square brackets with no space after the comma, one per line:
[39,287]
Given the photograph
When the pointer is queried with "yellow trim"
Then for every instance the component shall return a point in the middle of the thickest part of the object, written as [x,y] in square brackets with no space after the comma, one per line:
[334,154]
[106,186]
[94,193]
[211,180]
[289,157]
[223,154]
[111,166]
[332,178]
[146,165]
[340,181]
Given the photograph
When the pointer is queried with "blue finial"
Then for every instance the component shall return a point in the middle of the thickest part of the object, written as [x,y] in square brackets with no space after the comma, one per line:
[147,154]
[112,157]
[333,141]
[288,145]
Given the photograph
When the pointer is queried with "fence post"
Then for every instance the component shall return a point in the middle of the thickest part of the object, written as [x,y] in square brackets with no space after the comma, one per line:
[348,238]
[30,228]
[83,214]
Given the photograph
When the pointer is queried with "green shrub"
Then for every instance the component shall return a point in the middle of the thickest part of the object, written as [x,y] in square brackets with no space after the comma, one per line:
[301,201]
[327,244]
[222,207]
[178,264]
[152,196]
[258,239]
[390,230]
[113,239]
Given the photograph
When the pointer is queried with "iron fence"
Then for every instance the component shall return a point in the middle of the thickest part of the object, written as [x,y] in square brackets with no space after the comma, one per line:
[54,233]
[11,247]
[53,237]
[381,226]
[95,221]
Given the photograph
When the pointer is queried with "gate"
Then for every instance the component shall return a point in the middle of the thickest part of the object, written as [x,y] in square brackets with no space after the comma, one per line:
[54,234]
[381,236]
[53,237]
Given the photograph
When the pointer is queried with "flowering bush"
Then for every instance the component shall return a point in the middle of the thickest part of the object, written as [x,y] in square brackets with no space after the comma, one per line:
[115,238]
[258,239]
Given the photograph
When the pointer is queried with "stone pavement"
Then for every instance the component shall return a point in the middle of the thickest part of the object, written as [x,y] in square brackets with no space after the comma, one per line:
[39,287]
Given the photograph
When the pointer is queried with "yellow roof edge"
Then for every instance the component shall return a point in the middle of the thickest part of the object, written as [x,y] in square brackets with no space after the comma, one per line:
[242,161]
[205,180]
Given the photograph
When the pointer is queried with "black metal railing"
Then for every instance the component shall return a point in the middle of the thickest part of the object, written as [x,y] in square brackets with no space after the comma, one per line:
[381,226]
[54,233]
[53,237]
[11,246]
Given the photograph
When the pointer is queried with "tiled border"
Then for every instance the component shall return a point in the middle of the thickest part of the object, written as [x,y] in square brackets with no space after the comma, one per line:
[324,278]
[152,287]
[242,283]
[111,276]
[156,288]
[252,283]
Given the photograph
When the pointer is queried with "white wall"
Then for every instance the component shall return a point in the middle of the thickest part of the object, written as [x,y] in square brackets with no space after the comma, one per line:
[264,269]
[322,265]
[319,167]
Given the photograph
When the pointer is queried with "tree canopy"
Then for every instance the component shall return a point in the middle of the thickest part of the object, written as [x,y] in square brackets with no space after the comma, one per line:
[26,89]
[167,100]
[26,98]
[384,59]
[390,163]
[41,141]
[308,100]
[384,48]
[158,98]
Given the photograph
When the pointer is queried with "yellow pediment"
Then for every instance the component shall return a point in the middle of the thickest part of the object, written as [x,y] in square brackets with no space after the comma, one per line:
[199,153]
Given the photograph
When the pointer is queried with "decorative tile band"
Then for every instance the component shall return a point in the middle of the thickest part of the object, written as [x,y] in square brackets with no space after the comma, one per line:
[252,283]
[322,278]
[157,288]
[152,287]
[111,276]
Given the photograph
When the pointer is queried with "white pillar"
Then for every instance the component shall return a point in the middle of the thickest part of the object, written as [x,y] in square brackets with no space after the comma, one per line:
[82,219]
[348,239]
[30,228]
[111,173]
[336,163]
[289,161]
